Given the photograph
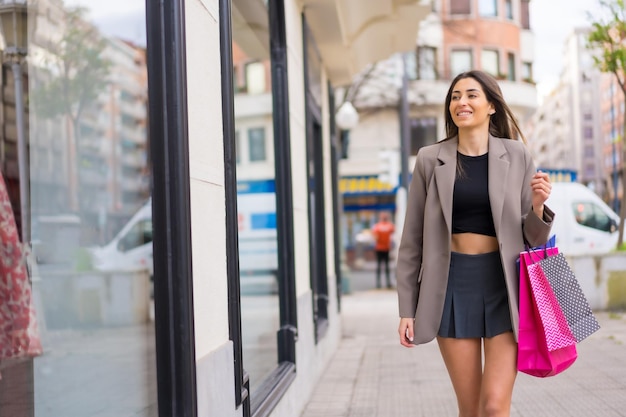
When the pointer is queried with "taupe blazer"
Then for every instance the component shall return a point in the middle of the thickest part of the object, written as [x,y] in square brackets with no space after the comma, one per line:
[424,252]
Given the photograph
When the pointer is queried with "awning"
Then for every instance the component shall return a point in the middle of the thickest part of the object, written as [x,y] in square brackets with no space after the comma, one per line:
[365,185]
[350,34]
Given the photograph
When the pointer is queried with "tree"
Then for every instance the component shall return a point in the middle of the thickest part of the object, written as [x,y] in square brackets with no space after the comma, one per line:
[76,75]
[608,38]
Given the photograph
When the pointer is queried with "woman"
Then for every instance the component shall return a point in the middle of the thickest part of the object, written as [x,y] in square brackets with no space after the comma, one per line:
[474,199]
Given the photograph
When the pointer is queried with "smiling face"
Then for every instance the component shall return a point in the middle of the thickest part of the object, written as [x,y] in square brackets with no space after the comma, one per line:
[469,107]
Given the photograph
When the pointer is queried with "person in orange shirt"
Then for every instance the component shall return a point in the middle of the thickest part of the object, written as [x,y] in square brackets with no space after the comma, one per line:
[382,232]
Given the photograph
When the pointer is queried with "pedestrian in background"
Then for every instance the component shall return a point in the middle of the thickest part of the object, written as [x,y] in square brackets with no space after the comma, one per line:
[474,199]
[382,232]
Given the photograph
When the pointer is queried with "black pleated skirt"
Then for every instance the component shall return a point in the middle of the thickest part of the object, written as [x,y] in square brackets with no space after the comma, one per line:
[477,303]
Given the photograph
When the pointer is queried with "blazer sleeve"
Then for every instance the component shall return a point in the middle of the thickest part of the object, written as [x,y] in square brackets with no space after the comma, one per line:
[536,230]
[410,250]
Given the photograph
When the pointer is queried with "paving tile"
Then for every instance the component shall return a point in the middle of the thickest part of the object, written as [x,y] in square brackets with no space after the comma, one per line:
[378,378]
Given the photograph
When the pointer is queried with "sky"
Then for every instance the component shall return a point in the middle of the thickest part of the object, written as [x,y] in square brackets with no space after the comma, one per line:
[552,21]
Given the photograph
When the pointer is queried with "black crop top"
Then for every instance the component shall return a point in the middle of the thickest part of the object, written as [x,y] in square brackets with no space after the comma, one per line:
[471,210]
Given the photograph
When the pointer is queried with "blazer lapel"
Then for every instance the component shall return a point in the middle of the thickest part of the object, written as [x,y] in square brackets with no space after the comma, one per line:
[498,171]
[445,174]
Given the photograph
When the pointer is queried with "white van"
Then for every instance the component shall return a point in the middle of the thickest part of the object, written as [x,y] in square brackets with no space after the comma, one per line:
[131,248]
[584,223]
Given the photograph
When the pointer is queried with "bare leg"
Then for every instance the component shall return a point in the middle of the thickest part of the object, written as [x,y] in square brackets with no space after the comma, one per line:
[499,375]
[464,363]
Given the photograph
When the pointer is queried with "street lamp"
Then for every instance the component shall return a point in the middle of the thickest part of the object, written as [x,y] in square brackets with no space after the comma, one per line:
[14,20]
[347,117]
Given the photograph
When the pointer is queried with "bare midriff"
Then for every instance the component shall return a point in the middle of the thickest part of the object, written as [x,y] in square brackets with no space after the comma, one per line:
[473,243]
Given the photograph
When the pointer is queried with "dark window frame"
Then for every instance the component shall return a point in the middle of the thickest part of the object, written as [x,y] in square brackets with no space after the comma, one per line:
[316,198]
[261,402]
[336,156]
[169,147]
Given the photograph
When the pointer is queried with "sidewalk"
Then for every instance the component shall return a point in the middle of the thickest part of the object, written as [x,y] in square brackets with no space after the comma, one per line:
[371,375]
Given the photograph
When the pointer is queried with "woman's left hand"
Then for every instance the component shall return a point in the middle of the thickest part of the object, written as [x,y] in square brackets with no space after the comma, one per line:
[541,187]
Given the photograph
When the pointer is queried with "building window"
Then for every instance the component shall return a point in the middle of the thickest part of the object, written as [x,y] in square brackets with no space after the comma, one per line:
[460,7]
[261,304]
[527,72]
[525,14]
[255,77]
[423,132]
[410,62]
[426,63]
[490,62]
[488,8]
[256,144]
[511,66]
[508,8]
[460,61]
[90,211]
[588,132]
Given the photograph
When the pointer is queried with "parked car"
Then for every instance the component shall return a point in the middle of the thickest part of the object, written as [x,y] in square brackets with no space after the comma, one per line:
[584,223]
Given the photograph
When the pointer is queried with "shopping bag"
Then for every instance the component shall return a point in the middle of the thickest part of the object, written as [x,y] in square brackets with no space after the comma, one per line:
[569,294]
[19,337]
[546,346]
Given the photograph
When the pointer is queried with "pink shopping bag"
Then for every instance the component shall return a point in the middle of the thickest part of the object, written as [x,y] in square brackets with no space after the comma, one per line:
[546,346]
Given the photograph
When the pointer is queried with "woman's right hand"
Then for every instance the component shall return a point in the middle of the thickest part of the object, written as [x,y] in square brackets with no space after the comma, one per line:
[405,330]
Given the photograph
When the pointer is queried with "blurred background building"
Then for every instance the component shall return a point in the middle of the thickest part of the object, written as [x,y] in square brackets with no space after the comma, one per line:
[459,35]
[577,126]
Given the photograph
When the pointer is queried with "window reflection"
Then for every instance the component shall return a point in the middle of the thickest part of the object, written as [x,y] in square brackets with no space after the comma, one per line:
[85,119]
[258,262]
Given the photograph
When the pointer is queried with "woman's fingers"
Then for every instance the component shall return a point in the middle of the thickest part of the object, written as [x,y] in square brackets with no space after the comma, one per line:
[405,330]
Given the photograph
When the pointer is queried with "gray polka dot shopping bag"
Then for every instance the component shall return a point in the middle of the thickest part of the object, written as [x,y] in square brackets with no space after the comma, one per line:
[569,294]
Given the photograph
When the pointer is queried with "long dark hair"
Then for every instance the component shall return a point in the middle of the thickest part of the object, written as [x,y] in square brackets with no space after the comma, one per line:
[502,124]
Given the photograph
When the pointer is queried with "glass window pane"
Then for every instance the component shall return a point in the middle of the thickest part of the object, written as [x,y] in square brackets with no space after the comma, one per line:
[488,7]
[255,78]
[460,7]
[489,61]
[427,63]
[256,201]
[460,61]
[423,132]
[88,212]
[508,5]
[256,144]
[590,215]
[511,67]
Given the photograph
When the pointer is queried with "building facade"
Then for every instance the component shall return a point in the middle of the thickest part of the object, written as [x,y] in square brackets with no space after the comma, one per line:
[205,158]
[456,36]
[577,126]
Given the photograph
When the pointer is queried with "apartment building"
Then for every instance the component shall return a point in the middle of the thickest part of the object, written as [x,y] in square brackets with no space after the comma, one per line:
[578,124]
[457,35]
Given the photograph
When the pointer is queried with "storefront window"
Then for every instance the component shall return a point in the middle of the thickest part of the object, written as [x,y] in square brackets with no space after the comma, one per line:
[80,198]
[256,200]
